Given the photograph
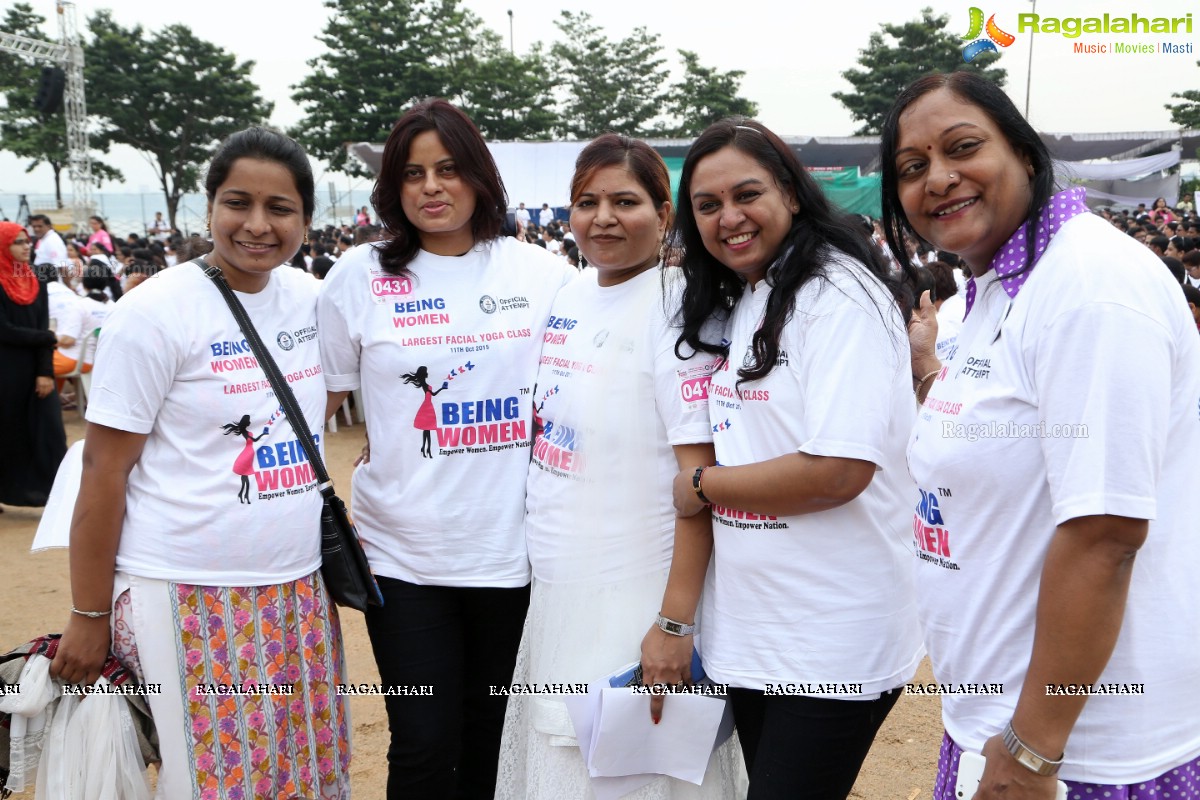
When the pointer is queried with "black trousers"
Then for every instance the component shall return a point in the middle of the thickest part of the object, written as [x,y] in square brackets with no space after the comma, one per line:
[461,642]
[805,748]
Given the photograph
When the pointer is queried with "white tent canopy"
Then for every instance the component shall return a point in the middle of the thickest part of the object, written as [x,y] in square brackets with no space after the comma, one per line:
[533,172]
[1110,165]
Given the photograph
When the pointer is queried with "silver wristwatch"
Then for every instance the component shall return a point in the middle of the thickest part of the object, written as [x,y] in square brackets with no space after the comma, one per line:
[674,628]
[1026,757]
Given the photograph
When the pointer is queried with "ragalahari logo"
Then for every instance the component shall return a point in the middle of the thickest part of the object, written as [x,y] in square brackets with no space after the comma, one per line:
[994,37]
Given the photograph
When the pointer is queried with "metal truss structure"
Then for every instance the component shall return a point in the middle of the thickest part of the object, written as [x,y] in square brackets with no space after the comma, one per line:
[67,54]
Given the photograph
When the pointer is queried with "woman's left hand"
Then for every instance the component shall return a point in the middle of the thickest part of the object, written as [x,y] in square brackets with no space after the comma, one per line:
[922,336]
[666,661]
[43,386]
[687,502]
[1005,779]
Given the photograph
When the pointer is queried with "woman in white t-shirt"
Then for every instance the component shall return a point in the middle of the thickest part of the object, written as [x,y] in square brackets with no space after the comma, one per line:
[217,605]
[1056,454]
[808,612]
[619,413]
[949,305]
[440,504]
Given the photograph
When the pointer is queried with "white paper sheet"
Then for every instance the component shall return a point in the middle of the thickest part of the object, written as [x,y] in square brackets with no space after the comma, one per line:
[626,741]
[583,709]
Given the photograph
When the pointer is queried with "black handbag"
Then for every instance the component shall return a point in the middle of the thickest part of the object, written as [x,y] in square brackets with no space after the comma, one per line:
[344,565]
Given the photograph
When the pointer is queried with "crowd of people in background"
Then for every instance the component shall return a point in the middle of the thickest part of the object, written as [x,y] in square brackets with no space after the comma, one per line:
[1172,233]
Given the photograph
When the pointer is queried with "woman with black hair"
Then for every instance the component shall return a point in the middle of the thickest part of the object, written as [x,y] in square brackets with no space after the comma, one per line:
[1056,454]
[100,261]
[444,532]
[1160,214]
[222,609]
[808,612]
[618,414]
[99,234]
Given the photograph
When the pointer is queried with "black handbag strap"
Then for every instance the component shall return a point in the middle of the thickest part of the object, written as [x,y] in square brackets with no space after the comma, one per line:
[283,391]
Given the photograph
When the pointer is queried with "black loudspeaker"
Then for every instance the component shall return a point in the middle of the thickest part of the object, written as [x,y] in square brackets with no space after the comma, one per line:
[50,90]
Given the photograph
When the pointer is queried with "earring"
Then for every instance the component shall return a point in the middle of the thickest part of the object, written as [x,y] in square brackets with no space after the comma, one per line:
[306,237]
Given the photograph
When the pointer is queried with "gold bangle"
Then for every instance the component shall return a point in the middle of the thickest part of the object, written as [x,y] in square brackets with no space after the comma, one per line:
[921,382]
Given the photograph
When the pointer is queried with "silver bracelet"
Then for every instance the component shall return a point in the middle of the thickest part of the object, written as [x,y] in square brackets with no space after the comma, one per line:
[1026,757]
[674,628]
[91,614]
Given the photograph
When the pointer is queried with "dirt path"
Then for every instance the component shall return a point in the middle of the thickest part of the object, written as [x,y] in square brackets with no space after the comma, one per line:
[35,598]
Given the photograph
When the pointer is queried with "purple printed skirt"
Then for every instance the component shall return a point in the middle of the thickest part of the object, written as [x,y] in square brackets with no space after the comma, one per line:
[1178,783]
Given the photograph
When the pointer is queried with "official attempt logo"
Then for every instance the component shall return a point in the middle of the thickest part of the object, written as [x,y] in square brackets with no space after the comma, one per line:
[284,340]
[487,304]
[987,43]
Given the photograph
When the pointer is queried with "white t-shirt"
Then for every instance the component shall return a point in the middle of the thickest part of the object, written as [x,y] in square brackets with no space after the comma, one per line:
[545,217]
[474,323]
[67,311]
[1100,340]
[822,598]
[51,249]
[522,217]
[612,398]
[159,228]
[950,320]
[95,313]
[173,364]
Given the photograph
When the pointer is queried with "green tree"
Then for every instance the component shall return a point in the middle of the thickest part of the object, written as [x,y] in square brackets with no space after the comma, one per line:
[703,95]
[910,50]
[610,86]
[384,55]
[169,95]
[509,97]
[24,131]
[381,56]
[1187,113]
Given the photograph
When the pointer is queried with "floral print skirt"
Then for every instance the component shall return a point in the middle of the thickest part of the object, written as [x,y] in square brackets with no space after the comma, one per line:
[243,686]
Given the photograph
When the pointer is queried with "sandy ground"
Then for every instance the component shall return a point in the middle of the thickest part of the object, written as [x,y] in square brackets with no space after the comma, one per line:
[35,598]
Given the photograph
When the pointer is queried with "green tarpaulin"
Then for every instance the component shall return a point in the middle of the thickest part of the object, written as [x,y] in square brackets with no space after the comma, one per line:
[845,188]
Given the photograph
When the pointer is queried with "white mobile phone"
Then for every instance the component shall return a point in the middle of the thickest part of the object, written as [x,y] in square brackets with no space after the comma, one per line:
[970,773]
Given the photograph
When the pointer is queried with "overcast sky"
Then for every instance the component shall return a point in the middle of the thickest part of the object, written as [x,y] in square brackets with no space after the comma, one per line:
[792,54]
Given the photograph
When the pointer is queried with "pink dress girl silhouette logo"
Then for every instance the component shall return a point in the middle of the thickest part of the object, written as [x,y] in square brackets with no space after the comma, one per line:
[426,419]
[244,465]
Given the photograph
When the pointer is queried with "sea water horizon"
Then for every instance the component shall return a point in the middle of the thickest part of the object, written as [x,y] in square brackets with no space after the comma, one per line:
[132,212]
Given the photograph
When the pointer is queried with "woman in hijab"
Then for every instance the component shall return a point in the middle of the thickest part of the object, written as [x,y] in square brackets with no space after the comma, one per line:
[34,441]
